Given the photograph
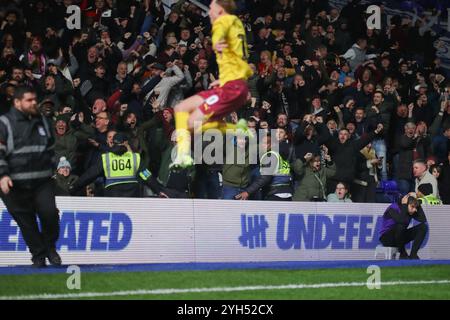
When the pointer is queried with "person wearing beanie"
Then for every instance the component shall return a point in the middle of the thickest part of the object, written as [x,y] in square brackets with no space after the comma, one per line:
[63,177]
[64,164]
[167,118]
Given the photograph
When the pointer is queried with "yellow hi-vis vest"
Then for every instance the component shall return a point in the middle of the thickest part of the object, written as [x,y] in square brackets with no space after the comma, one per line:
[282,174]
[430,200]
[120,169]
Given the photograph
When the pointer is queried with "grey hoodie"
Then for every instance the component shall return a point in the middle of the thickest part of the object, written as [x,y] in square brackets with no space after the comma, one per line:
[167,83]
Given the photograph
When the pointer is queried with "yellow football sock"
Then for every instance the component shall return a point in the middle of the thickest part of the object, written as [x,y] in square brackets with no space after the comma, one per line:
[183,136]
[220,125]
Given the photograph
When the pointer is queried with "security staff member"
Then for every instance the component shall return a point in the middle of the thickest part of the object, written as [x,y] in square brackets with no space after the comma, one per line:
[27,162]
[425,195]
[275,174]
[177,185]
[119,168]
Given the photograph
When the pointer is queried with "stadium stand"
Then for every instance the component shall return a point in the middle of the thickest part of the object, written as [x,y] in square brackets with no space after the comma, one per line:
[320,75]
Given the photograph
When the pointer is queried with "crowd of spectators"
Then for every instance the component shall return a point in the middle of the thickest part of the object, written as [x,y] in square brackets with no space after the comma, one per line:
[353,106]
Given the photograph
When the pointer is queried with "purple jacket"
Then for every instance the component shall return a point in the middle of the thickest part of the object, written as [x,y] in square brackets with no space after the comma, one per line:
[397,213]
[388,222]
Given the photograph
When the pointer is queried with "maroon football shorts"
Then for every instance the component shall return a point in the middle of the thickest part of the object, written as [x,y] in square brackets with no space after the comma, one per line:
[221,101]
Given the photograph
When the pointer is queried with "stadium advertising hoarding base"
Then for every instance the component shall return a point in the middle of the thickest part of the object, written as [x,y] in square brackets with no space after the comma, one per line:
[124,231]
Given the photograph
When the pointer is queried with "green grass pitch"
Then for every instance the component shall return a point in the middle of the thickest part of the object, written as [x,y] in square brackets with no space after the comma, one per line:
[38,284]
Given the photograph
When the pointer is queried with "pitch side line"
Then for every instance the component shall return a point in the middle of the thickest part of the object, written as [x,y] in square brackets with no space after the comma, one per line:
[217,289]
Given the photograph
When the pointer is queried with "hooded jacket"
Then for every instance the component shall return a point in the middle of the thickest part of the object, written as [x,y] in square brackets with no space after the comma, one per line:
[312,184]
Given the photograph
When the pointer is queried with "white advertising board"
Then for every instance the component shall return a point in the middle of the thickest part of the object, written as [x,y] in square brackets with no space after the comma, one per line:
[124,231]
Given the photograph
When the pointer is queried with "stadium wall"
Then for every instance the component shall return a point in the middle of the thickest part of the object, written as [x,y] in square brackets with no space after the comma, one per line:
[125,231]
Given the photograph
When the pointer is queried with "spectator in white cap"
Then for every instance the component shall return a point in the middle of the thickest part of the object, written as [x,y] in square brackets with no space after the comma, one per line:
[63,177]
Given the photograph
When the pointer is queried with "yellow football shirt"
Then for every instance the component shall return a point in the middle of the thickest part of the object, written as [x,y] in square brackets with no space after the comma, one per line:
[232,61]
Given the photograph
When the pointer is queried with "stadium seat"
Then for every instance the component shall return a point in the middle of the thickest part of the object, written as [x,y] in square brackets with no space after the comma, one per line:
[387,191]
[389,253]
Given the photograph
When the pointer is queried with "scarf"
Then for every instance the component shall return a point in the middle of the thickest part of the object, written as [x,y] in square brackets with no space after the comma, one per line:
[41,63]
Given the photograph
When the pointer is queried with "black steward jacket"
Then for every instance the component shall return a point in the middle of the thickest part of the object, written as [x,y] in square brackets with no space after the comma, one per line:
[26,149]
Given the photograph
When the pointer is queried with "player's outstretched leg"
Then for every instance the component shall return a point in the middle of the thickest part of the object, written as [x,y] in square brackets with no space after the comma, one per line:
[242,126]
[226,127]
[186,113]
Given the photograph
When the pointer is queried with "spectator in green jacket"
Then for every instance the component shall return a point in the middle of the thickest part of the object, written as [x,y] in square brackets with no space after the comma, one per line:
[69,135]
[64,179]
[236,176]
[313,177]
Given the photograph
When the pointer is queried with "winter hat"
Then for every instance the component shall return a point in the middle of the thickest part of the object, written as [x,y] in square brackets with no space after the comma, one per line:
[158,66]
[53,62]
[64,117]
[170,110]
[63,163]
[432,158]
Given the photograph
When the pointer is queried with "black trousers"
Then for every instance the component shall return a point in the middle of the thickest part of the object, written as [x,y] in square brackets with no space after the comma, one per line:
[127,190]
[177,194]
[364,194]
[25,205]
[400,235]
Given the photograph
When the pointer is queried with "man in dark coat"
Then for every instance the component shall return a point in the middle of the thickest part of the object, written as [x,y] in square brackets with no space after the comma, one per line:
[344,153]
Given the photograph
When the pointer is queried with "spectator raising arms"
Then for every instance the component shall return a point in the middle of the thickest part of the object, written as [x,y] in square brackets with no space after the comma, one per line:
[364,104]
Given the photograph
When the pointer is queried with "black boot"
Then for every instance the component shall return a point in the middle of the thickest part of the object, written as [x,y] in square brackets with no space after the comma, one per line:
[38,262]
[54,258]
[403,254]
